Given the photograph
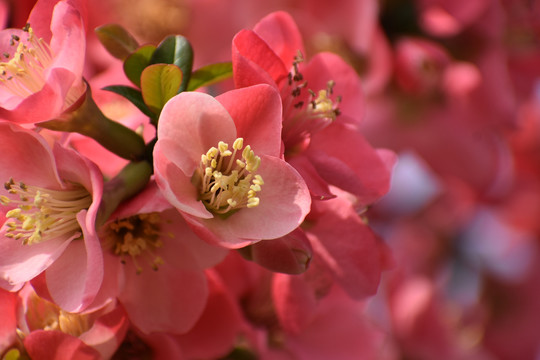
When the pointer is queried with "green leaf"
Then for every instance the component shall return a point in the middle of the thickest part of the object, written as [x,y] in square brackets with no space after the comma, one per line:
[175,49]
[13,354]
[117,40]
[209,75]
[159,83]
[137,62]
[134,96]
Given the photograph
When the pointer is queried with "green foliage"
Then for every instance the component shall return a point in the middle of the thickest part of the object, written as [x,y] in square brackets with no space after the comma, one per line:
[117,40]
[159,83]
[134,96]
[137,62]
[175,49]
[209,75]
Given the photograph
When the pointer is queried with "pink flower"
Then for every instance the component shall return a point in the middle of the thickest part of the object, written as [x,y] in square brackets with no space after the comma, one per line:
[48,332]
[322,99]
[149,249]
[218,161]
[42,74]
[50,201]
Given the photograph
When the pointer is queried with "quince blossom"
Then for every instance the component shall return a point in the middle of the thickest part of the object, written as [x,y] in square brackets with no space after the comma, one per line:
[218,161]
[46,331]
[150,249]
[322,107]
[42,64]
[49,204]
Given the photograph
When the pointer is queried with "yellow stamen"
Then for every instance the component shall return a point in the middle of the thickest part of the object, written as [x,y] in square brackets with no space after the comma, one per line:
[25,72]
[226,182]
[43,214]
[45,315]
[136,236]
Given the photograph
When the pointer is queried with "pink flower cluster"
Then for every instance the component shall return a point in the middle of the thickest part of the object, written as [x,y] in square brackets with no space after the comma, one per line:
[190,217]
[285,180]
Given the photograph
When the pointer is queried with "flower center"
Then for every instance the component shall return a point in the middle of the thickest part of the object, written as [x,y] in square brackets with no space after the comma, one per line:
[138,235]
[227,182]
[313,112]
[42,214]
[42,314]
[24,73]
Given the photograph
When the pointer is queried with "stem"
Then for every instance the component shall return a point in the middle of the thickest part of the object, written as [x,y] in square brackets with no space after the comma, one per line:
[130,181]
[85,118]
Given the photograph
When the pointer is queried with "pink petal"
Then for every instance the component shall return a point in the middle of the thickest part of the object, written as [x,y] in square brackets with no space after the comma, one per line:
[21,263]
[215,332]
[195,122]
[338,331]
[68,42]
[167,300]
[257,114]
[295,302]
[26,157]
[8,308]
[108,332]
[74,279]
[174,184]
[185,250]
[284,202]
[318,188]
[348,248]
[43,105]
[325,67]
[280,32]
[343,158]
[56,345]
[254,62]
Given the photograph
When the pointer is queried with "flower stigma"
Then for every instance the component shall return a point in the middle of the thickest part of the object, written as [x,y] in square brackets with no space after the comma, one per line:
[136,236]
[43,214]
[24,72]
[228,182]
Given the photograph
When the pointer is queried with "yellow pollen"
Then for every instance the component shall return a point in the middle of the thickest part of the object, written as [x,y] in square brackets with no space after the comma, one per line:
[43,214]
[313,113]
[136,236]
[321,106]
[24,72]
[227,181]
[45,315]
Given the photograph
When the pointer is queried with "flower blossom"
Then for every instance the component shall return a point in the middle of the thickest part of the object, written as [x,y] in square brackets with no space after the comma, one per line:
[49,204]
[42,64]
[218,160]
[322,108]
[148,248]
[46,331]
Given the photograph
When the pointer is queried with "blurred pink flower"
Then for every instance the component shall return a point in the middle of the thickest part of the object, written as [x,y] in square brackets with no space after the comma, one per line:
[50,201]
[218,161]
[43,63]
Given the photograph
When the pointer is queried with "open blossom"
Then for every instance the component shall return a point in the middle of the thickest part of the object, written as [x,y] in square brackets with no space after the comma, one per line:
[149,249]
[41,69]
[218,160]
[322,105]
[49,201]
[46,331]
